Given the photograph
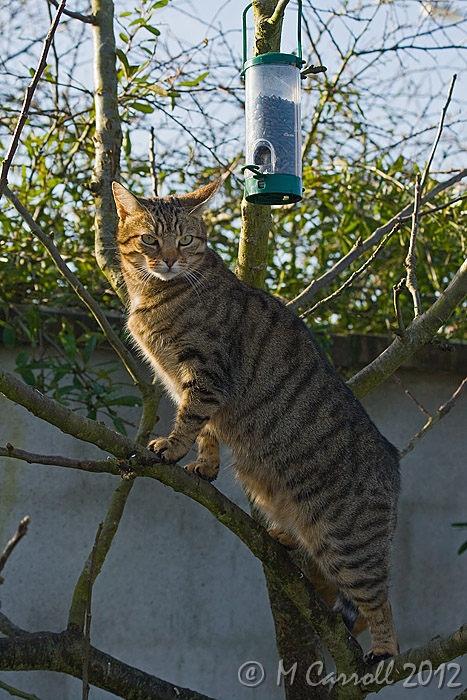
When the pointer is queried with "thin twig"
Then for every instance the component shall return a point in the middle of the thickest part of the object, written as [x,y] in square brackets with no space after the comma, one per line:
[438,134]
[349,281]
[408,393]
[87,626]
[152,161]
[30,90]
[435,418]
[87,19]
[19,534]
[15,692]
[88,465]
[397,289]
[411,259]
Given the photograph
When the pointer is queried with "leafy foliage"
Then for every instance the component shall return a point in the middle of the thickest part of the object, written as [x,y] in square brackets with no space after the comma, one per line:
[65,368]
[359,164]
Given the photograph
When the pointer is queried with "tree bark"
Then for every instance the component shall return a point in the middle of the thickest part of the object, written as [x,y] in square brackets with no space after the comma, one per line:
[108,140]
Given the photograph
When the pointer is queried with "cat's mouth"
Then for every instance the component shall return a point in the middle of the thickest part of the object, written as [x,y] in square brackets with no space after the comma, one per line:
[168,275]
[166,272]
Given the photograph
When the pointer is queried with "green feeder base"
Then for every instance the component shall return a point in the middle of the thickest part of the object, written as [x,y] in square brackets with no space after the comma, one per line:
[267,188]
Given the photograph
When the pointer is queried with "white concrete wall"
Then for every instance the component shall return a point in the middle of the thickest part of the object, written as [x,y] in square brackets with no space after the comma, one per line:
[179,596]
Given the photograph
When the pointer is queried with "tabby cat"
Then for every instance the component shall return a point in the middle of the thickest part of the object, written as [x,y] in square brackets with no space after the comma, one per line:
[244,370]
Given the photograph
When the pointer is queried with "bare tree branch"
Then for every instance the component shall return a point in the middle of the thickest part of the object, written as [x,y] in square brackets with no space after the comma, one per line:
[88,617]
[107,466]
[62,652]
[87,19]
[426,170]
[15,692]
[422,329]
[397,290]
[439,650]
[410,395]
[411,260]
[30,90]
[435,418]
[11,544]
[107,139]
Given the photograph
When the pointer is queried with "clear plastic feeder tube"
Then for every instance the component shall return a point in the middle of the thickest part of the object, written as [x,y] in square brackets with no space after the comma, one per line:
[273,128]
[272,109]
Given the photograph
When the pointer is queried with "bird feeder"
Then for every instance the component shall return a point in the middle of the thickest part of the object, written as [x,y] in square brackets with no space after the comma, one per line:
[273,174]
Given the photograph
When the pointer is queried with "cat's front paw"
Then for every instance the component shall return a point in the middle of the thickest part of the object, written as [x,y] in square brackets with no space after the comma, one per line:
[205,469]
[277,533]
[166,450]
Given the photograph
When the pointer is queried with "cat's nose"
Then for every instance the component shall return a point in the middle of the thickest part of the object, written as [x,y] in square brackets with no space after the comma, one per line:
[169,262]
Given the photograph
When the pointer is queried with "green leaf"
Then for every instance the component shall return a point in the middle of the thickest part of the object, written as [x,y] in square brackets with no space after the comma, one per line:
[89,348]
[125,401]
[26,375]
[8,337]
[142,107]
[462,548]
[158,90]
[153,30]
[195,81]
[124,62]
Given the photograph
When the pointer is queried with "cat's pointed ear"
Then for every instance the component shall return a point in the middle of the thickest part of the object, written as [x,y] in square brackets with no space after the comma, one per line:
[126,203]
[196,201]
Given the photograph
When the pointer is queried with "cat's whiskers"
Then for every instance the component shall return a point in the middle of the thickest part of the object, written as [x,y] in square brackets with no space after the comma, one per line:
[195,279]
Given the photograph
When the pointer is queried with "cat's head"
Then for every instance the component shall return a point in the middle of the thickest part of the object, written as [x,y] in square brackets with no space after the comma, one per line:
[164,237]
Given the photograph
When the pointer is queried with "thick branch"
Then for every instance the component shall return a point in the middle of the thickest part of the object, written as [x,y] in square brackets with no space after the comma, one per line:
[67,420]
[253,245]
[64,653]
[438,651]
[422,329]
[269,15]
[108,140]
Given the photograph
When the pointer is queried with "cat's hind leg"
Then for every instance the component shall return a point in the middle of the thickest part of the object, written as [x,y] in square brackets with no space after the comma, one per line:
[207,464]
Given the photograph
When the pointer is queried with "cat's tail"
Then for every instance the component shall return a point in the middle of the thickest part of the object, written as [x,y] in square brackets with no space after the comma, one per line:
[347,609]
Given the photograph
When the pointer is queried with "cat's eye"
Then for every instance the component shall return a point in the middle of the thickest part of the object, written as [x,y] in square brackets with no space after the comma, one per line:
[148,238]
[185,240]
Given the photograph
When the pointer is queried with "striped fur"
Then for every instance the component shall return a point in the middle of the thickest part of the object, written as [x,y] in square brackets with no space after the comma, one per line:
[244,370]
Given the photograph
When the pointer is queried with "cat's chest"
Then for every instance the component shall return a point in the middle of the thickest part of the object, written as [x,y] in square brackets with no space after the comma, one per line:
[162,354]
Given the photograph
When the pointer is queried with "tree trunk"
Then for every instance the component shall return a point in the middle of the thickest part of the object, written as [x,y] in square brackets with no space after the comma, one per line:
[108,140]
[297,644]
